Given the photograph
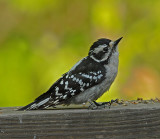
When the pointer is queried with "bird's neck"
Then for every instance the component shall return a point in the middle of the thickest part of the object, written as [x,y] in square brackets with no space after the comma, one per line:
[113,59]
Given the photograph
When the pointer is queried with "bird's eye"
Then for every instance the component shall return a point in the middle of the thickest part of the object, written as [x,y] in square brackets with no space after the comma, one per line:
[105,49]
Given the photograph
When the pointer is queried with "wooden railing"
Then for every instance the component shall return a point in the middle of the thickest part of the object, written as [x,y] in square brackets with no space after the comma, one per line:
[120,121]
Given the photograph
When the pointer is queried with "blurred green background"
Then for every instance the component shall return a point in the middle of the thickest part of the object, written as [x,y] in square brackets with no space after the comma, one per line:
[42,39]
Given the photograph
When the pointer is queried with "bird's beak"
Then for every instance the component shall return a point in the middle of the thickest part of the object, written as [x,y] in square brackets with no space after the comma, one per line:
[117,41]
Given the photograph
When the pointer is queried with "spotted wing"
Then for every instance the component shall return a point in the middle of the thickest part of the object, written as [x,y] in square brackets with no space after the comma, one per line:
[80,78]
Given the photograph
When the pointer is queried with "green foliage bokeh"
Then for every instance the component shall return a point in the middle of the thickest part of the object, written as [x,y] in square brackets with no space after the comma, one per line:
[42,39]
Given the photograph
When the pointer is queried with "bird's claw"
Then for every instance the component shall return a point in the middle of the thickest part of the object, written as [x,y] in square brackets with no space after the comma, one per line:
[94,105]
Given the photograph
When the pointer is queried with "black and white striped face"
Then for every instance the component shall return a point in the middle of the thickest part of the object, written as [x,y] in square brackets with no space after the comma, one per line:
[102,49]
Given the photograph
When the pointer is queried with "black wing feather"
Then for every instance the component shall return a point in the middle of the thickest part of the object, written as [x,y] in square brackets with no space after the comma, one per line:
[81,77]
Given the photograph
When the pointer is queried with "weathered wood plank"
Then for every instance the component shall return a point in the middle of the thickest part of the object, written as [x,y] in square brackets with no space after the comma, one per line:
[132,121]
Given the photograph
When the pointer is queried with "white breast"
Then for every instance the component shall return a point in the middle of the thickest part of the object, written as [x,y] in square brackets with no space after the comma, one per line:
[98,90]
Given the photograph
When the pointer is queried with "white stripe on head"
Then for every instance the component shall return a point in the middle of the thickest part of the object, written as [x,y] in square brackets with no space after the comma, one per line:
[100,60]
[99,48]
[95,58]
[105,57]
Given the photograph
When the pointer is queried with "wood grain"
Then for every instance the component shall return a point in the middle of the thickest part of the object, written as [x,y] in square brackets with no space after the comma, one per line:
[134,121]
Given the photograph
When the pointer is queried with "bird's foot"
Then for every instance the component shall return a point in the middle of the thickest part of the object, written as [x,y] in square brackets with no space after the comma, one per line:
[94,105]
[115,101]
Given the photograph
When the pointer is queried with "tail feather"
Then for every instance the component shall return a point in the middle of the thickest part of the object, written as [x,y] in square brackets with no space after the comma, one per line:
[40,104]
[26,107]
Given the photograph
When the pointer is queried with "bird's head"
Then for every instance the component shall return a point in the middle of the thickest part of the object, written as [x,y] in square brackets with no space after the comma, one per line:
[103,49]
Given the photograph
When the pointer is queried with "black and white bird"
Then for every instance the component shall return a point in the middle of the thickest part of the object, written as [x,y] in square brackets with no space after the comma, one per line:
[86,81]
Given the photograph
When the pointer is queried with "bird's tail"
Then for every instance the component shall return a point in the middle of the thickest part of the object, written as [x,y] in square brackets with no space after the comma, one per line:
[37,104]
[28,107]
